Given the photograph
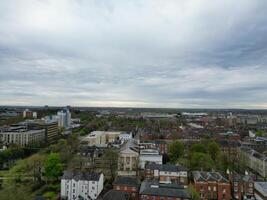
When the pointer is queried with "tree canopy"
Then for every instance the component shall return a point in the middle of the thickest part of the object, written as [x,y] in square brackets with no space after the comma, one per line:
[53,167]
[176,150]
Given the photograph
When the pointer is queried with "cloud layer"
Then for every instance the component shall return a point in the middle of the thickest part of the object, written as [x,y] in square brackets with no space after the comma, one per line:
[187,53]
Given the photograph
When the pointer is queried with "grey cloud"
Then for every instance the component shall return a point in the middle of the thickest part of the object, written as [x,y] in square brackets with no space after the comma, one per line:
[134,53]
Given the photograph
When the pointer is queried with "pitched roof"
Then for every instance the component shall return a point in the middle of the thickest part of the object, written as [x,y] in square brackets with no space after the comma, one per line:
[128,181]
[163,190]
[78,175]
[115,194]
[209,176]
[165,167]
[130,144]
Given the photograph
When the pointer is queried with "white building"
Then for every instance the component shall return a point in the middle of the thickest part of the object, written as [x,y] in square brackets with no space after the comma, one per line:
[101,138]
[149,156]
[128,159]
[23,137]
[78,185]
[64,118]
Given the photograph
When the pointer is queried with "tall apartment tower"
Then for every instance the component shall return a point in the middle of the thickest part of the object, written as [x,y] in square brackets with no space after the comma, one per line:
[64,118]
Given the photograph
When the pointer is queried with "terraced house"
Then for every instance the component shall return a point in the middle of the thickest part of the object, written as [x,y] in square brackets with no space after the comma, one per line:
[212,185]
[167,173]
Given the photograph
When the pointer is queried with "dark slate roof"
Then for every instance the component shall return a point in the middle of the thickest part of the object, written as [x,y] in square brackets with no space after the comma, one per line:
[160,142]
[116,195]
[163,190]
[209,176]
[166,167]
[128,181]
[78,175]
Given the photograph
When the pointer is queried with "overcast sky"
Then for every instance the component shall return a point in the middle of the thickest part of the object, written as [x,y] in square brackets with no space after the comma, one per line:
[140,53]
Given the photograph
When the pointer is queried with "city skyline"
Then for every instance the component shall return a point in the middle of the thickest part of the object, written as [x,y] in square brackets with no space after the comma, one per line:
[170,54]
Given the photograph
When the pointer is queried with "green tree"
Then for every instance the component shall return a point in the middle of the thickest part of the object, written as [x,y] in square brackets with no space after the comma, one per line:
[194,195]
[110,158]
[176,150]
[53,167]
[214,150]
[200,148]
[201,161]
[259,133]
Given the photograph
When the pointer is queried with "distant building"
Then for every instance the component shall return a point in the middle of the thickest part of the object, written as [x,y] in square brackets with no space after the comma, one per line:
[167,173]
[79,185]
[149,156]
[229,136]
[29,114]
[128,159]
[64,118]
[154,190]
[260,190]
[51,131]
[211,185]
[23,137]
[127,184]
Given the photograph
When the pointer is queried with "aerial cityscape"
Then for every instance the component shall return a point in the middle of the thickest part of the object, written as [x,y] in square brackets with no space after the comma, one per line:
[133,100]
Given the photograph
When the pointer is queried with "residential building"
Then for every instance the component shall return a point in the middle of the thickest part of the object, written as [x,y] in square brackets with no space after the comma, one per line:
[260,189]
[242,186]
[64,118]
[151,190]
[167,173]
[116,195]
[211,185]
[81,185]
[162,146]
[149,156]
[127,184]
[23,137]
[128,159]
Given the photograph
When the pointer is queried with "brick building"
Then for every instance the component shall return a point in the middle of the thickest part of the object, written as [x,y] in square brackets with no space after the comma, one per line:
[242,186]
[127,184]
[212,185]
[162,146]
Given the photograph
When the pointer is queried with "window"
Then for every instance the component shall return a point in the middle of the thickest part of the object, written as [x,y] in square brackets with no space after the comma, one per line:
[209,188]
[214,189]
[144,197]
